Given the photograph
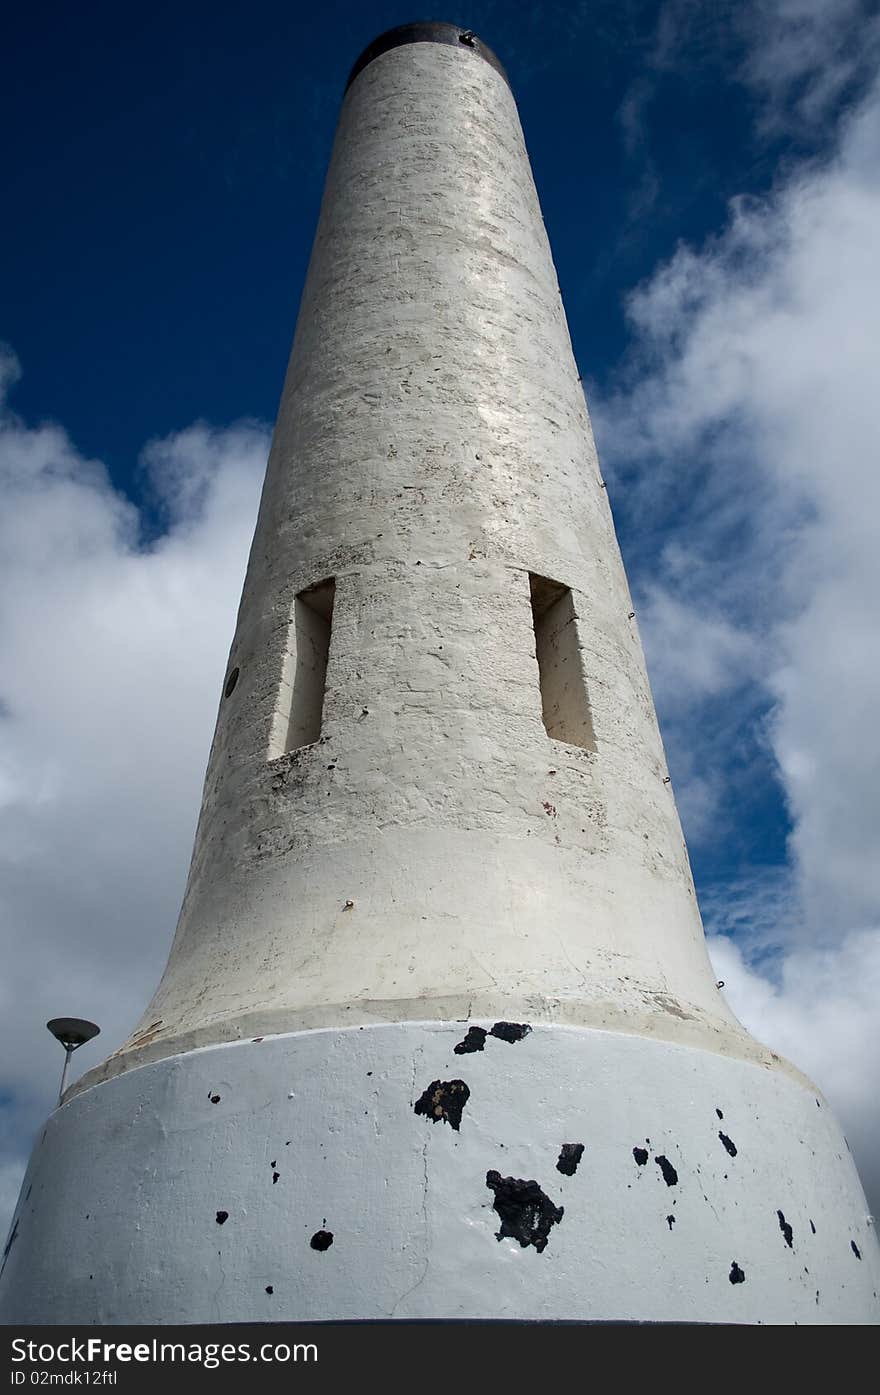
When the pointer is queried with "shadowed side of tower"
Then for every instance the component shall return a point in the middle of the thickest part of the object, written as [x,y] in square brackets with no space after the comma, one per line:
[439,988]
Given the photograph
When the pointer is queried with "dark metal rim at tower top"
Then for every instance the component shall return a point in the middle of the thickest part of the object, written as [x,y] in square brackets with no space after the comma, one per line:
[426,31]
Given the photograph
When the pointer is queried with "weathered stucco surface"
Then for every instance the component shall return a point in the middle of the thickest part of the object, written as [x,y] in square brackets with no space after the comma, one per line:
[432,449]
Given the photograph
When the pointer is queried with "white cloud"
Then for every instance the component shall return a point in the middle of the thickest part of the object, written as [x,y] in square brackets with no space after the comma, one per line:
[114,652]
[694,653]
[747,436]
[804,55]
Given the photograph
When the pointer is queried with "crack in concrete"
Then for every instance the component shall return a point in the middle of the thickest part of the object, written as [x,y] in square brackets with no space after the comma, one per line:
[424,1274]
[220,1286]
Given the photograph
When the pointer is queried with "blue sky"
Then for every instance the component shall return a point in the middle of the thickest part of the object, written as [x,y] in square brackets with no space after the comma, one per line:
[709,178]
[167,168]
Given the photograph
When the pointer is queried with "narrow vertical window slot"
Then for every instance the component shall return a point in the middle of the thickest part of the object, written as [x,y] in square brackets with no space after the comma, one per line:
[565,704]
[310,636]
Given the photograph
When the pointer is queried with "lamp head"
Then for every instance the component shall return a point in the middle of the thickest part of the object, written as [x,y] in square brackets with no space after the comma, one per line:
[72,1032]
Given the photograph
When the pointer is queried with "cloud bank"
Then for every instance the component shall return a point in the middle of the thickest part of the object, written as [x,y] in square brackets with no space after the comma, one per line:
[743,441]
[113,657]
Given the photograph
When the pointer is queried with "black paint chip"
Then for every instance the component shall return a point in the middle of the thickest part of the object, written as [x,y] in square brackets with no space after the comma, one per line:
[321,1240]
[215,1099]
[275,1176]
[728,1143]
[718,1112]
[510,1031]
[641,1156]
[269,1288]
[670,1176]
[855,1249]
[812,1227]
[736,1275]
[570,1155]
[474,1040]
[526,1213]
[670,1221]
[222,1217]
[786,1229]
[444,1099]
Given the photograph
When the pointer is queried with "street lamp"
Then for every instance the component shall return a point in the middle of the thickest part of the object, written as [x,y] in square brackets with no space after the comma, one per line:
[72,1032]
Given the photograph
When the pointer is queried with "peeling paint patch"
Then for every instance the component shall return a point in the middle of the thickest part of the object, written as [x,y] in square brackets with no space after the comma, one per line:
[526,1212]
[641,1156]
[145,1037]
[670,1176]
[444,1099]
[510,1031]
[670,1005]
[786,1229]
[570,1155]
[321,1240]
[736,1275]
[222,1217]
[728,1143]
[474,1040]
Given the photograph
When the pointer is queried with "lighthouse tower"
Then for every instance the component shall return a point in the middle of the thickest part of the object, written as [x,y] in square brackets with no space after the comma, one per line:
[438,1036]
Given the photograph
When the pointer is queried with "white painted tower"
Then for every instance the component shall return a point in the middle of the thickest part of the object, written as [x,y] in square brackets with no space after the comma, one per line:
[438,1036]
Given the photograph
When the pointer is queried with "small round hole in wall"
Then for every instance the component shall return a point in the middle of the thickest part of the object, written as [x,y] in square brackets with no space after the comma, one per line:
[230,683]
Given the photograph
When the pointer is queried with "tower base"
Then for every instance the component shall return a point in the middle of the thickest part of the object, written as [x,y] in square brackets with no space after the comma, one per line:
[443,1170]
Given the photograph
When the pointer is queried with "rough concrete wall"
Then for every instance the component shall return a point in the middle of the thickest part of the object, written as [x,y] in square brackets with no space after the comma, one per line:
[443,1170]
[432,450]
